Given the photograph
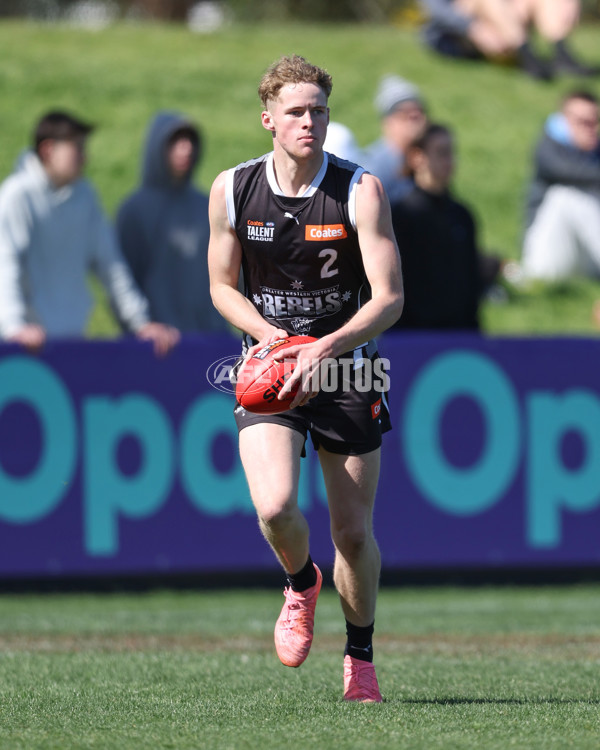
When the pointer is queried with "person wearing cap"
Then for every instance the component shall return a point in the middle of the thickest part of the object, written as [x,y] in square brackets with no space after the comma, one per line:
[52,233]
[163,228]
[403,118]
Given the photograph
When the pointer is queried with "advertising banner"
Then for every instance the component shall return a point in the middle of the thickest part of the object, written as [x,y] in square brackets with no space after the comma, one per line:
[115,462]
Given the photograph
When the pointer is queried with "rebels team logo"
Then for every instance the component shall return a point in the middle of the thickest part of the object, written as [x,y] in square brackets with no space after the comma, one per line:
[319,232]
[283,303]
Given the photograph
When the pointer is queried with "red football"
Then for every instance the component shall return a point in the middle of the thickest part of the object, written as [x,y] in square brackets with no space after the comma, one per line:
[262,377]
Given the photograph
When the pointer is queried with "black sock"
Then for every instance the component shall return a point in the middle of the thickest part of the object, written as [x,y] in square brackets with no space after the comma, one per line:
[566,61]
[533,64]
[561,49]
[304,578]
[360,642]
[563,53]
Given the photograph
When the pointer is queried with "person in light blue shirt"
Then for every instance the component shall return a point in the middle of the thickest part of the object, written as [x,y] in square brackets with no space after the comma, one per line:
[562,236]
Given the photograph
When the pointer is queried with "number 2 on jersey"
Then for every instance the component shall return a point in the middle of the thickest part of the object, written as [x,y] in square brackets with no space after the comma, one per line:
[327,271]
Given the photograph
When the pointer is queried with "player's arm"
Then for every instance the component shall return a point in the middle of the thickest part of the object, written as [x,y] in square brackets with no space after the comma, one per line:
[381,260]
[224,264]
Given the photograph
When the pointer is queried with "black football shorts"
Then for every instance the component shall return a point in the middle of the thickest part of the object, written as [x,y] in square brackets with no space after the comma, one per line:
[348,416]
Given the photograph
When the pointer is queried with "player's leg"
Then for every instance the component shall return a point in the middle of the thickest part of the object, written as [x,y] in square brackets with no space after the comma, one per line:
[270,456]
[351,483]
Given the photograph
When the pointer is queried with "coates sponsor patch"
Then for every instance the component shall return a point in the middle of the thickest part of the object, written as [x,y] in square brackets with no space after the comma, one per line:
[320,232]
[376,409]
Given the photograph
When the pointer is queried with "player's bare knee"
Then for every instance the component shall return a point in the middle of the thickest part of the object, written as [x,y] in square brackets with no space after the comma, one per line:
[351,541]
[277,514]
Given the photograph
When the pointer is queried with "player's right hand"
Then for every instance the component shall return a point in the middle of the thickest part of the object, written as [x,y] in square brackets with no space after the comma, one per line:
[277,333]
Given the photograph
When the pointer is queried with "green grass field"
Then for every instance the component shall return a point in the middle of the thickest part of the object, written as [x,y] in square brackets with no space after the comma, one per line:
[119,77]
[473,669]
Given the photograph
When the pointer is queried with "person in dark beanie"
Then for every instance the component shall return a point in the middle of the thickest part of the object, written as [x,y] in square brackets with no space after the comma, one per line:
[401,109]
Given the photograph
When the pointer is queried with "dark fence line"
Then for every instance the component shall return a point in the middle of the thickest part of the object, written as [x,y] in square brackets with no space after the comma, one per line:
[261,579]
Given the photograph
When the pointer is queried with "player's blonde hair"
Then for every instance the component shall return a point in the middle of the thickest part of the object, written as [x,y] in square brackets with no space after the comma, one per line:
[291,69]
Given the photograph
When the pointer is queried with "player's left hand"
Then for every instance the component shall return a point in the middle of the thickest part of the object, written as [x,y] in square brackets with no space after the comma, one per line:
[163,337]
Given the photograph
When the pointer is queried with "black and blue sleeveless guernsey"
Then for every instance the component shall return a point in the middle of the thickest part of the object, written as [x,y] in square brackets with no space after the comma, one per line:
[301,260]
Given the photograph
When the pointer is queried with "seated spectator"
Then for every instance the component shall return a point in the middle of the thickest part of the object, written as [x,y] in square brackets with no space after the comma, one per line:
[52,232]
[501,29]
[442,267]
[341,141]
[163,228]
[562,237]
[403,118]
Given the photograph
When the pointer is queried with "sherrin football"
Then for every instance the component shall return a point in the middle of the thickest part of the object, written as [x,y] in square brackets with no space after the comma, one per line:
[262,377]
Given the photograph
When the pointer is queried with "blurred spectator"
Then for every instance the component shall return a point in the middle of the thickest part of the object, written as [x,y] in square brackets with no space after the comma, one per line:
[501,29]
[402,112]
[341,141]
[563,209]
[444,272]
[163,228]
[52,232]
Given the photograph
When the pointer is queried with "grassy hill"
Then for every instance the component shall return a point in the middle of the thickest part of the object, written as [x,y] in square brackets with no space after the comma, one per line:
[119,77]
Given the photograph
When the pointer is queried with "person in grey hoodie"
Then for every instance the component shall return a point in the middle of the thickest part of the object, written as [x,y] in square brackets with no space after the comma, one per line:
[163,228]
[52,233]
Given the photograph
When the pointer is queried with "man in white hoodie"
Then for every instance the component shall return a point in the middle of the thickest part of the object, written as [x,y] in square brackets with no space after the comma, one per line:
[52,233]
